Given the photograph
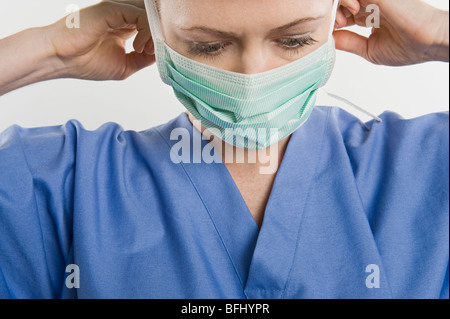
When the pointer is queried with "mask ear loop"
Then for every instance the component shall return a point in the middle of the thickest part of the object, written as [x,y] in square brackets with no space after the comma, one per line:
[155,24]
[333,18]
[337,97]
[157,34]
[154,20]
[353,105]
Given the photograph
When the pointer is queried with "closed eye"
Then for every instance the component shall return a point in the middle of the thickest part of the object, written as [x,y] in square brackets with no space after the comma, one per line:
[199,48]
[211,50]
[295,43]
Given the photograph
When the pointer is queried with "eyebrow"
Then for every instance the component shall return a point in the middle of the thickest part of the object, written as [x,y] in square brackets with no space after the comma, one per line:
[295,23]
[224,34]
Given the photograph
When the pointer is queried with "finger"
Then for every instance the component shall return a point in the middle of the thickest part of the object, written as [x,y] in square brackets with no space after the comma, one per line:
[136,3]
[353,6]
[120,15]
[344,18]
[141,39]
[124,33]
[124,16]
[149,48]
[341,20]
[137,61]
[351,42]
[347,19]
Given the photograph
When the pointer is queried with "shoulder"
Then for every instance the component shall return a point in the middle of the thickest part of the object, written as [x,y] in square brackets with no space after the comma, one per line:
[400,171]
[397,164]
[412,150]
[395,134]
[40,146]
[392,122]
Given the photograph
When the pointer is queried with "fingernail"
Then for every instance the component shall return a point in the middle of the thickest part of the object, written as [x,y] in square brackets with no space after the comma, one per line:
[150,48]
[353,11]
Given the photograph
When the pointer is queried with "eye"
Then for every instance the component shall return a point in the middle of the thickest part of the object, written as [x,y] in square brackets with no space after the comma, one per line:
[207,49]
[295,43]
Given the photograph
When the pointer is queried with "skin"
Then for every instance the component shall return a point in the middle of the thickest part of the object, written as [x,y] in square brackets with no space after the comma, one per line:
[246,49]
[411,32]
[202,24]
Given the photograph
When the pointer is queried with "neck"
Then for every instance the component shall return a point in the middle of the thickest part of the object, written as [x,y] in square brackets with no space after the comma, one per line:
[263,161]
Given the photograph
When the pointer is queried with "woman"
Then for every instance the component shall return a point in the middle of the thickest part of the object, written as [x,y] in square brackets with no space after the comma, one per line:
[350,210]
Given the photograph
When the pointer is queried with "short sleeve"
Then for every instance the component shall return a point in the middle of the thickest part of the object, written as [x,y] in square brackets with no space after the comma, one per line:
[36,207]
[401,168]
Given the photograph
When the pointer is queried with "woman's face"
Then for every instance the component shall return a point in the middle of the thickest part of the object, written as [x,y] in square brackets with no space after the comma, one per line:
[245,36]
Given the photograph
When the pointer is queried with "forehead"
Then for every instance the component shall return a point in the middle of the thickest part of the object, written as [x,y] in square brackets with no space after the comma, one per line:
[235,14]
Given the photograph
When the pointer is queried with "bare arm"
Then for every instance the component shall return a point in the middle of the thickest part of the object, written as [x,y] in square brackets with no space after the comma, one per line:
[95,51]
[26,57]
[410,31]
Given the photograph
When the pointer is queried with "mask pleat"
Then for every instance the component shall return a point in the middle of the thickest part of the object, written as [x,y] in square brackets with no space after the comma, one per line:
[243,106]
[249,103]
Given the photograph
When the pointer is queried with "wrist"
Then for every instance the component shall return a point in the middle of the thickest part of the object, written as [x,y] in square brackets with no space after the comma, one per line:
[52,65]
[38,57]
[442,39]
[26,58]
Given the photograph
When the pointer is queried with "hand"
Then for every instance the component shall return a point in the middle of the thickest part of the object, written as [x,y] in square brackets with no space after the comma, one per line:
[96,50]
[410,32]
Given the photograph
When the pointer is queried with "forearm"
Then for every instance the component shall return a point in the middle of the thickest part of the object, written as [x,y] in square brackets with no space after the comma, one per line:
[27,57]
[442,53]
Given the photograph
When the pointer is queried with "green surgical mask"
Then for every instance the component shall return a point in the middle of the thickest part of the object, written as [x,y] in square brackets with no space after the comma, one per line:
[247,110]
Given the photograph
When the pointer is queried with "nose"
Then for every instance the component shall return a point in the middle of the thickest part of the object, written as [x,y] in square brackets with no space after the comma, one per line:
[253,59]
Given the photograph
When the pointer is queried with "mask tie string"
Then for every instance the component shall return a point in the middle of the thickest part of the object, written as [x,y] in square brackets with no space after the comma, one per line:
[353,105]
[337,97]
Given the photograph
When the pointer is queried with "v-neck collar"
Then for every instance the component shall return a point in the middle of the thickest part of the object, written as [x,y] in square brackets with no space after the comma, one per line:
[271,249]
[224,203]
[277,242]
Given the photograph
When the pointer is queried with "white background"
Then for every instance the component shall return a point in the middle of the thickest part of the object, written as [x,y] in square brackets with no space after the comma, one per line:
[143,101]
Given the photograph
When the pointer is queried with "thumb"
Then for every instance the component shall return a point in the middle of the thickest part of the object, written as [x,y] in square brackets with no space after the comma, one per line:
[137,61]
[351,42]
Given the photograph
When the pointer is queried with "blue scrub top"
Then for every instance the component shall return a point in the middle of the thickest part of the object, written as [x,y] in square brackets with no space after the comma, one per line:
[357,210]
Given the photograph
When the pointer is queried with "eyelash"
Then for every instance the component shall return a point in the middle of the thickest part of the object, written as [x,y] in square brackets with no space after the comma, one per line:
[208,50]
[292,45]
